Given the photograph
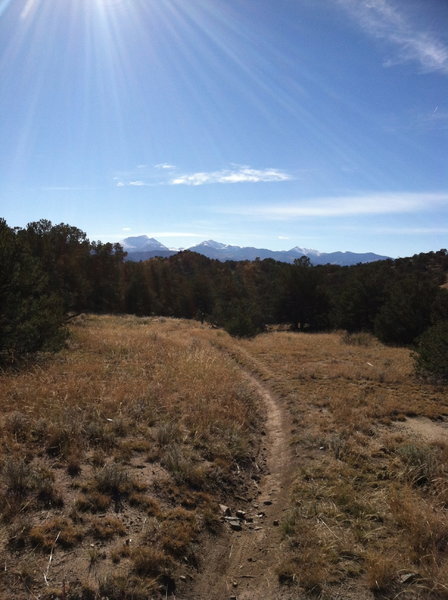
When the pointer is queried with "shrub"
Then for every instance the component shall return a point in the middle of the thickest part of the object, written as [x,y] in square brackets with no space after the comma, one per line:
[17,475]
[432,352]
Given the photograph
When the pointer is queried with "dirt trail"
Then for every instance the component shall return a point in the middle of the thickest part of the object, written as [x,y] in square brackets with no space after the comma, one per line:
[242,564]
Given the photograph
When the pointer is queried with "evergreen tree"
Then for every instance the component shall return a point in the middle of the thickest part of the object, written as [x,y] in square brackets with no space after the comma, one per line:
[31,313]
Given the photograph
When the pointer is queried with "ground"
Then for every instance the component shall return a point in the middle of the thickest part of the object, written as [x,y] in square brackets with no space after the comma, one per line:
[160,457]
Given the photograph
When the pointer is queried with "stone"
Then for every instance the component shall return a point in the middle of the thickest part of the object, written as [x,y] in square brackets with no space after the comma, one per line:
[225,509]
[240,514]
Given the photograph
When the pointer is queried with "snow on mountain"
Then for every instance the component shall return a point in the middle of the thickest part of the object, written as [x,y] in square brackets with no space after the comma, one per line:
[142,243]
[212,244]
[305,251]
[142,248]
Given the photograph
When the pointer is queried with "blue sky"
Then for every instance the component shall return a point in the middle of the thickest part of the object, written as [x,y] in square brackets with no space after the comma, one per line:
[318,123]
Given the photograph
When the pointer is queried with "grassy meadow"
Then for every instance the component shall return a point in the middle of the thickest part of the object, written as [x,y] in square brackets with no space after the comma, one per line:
[368,506]
[117,451]
[114,455]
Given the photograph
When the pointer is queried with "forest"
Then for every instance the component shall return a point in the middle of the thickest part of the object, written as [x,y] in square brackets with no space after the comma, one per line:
[50,273]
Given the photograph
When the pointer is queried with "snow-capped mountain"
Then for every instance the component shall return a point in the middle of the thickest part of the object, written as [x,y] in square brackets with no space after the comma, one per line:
[142,248]
[305,251]
[142,243]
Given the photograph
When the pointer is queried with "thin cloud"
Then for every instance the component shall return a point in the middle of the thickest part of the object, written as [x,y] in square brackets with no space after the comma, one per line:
[239,175]
[343,206]
[412,230]
[381,19]
[164,166]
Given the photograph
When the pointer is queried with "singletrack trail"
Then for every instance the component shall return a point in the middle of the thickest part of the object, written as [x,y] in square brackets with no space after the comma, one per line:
[242,564]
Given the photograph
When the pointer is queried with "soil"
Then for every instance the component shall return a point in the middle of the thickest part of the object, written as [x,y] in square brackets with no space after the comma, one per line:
[426,429]
[243,563]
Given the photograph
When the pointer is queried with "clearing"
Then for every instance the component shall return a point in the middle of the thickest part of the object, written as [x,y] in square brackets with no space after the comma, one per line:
[118,452]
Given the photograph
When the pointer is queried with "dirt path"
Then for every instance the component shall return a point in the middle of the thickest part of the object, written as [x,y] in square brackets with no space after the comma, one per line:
[241,564]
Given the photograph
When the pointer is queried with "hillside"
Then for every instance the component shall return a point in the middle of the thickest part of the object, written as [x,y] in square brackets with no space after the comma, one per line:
[118,451]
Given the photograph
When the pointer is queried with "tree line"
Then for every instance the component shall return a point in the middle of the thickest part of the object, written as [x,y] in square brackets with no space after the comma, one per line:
[49,272]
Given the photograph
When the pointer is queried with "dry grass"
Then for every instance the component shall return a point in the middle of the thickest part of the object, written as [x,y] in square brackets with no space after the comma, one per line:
[369,502]
[136,430]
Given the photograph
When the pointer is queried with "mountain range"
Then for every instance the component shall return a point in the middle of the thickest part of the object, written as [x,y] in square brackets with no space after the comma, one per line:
[143,247]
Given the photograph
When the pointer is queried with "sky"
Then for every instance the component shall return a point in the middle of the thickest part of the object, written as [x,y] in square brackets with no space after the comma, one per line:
[267,123]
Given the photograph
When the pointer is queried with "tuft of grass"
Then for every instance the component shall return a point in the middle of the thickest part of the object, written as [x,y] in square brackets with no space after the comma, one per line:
[150,562]
[93,502]
[106,528]
[18,476]
[59,530]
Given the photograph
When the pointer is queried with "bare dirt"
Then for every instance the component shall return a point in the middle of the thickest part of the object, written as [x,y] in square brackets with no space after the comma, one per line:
[425,428]
[242,564]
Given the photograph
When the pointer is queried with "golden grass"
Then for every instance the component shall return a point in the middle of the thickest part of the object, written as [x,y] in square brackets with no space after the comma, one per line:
[134,420]
[369,501]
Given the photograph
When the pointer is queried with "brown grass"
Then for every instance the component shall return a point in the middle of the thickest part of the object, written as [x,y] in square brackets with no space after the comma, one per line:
[136,419]
[369,502]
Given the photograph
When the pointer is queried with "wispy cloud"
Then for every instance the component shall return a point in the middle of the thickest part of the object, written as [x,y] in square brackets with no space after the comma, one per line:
[164,166]
[383,20]
[344,206]
[236,175]
[412,230]
[134,183]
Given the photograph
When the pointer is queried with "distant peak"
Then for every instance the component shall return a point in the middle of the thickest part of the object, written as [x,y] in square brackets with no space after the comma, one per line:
[213,244]
[306,251]
[142,243]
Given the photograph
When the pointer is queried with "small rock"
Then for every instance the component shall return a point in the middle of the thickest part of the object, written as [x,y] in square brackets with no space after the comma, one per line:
[261,515]
[240,514]
[183,578]
[235,583]
[224,509]
[234,523]
[276,523]
[267,502]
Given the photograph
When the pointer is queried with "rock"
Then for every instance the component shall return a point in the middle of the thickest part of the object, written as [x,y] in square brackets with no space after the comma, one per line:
[240,514]
[267,502]
[225,509]
[234,523]
[276,523]
[183,578]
